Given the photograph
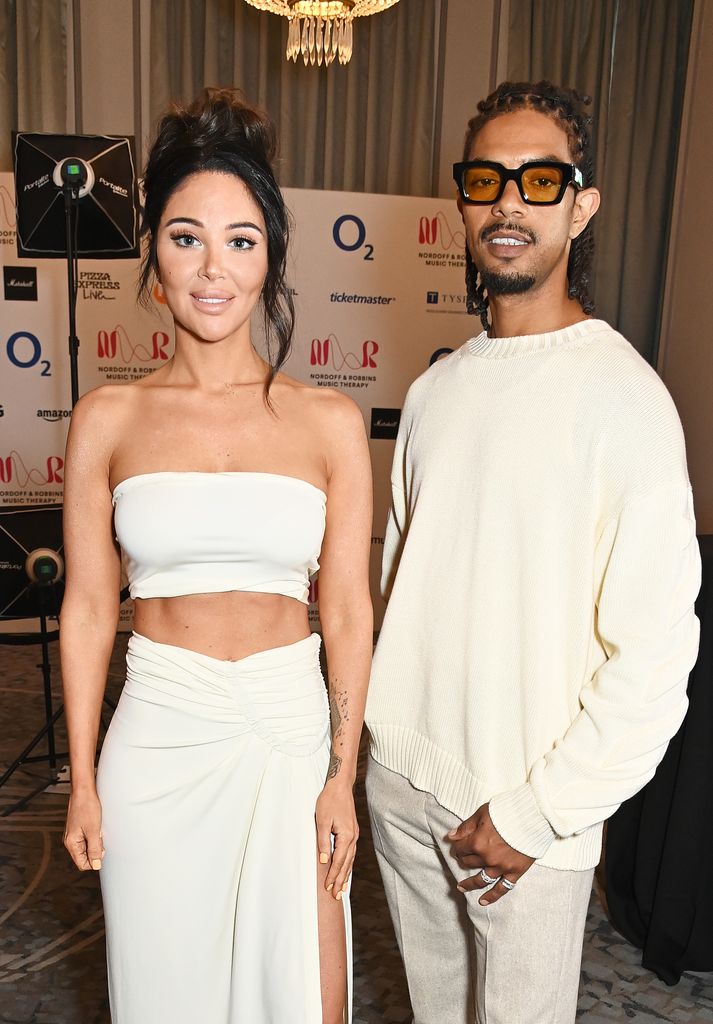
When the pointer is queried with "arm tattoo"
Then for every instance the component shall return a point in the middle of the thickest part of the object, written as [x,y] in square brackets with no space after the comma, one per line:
[339,714]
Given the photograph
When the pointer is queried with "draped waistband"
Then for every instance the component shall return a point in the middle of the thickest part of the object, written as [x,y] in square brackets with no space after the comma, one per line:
[278,694]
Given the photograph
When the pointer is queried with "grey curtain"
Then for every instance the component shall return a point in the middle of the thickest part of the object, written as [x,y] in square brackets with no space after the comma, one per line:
[366,126]
[33,70]
[631,57]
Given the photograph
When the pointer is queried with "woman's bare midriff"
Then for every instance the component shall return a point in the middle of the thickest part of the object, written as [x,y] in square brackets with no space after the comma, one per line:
[227,626]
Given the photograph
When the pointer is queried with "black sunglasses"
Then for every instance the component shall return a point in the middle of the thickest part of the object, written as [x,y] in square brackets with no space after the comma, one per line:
[540,182]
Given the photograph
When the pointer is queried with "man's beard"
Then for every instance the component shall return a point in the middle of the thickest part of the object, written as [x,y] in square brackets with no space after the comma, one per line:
[496,282]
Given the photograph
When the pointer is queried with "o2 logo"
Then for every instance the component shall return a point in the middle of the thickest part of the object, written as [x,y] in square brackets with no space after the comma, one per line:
[24,350]
[349,234]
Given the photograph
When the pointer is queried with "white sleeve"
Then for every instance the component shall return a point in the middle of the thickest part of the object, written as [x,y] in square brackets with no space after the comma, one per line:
[636,701]
[396,525]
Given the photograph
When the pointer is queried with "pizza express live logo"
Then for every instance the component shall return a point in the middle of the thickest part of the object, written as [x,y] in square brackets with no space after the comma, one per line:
[440,245]
[97,285]
[337,367]
[20,284]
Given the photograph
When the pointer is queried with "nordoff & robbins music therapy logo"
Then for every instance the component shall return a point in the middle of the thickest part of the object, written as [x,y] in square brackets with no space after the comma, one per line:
[441,245]
[15,470]
[122,358]
[344,368]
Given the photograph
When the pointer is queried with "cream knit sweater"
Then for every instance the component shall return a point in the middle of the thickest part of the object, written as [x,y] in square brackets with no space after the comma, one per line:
[541,565]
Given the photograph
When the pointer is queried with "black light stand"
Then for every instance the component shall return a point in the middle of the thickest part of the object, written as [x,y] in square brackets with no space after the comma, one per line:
[32,585]
[44,568]
[100,171]
[73,175]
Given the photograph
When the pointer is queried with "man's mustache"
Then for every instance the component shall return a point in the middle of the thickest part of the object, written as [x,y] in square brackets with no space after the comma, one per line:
[495,229]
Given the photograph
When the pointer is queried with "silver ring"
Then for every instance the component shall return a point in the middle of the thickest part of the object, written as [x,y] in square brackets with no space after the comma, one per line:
[507,884]
[486,877]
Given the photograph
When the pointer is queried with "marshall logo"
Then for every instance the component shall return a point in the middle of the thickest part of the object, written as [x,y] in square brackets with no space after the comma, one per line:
[385,423]
[20,284]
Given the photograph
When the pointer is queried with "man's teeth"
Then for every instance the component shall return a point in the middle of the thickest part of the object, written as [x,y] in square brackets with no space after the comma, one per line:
[507,241]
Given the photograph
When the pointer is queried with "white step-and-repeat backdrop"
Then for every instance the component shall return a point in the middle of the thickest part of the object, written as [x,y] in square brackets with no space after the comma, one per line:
[379,291]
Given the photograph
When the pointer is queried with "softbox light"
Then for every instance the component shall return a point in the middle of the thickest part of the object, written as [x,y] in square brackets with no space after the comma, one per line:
[107,221]
[23,529]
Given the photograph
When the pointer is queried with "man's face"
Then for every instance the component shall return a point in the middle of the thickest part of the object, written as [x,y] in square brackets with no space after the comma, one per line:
[518,246]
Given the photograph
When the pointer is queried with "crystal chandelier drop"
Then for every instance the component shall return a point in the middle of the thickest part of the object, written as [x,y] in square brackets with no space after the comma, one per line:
[321,30]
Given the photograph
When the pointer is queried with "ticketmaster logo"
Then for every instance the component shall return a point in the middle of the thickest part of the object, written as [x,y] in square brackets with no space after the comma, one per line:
[369,300]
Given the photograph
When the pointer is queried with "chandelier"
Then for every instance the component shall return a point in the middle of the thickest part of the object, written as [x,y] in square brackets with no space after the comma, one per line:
[321,30]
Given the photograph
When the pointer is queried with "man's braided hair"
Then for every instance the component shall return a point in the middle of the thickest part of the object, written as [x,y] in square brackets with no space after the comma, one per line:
[566,106]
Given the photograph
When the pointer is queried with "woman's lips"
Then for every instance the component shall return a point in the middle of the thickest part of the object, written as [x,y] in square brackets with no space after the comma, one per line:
[211,303]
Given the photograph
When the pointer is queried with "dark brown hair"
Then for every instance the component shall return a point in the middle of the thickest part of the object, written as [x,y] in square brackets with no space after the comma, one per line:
[567,107]
[220,132]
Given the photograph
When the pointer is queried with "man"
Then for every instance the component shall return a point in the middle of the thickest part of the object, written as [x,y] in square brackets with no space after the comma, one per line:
[540,565]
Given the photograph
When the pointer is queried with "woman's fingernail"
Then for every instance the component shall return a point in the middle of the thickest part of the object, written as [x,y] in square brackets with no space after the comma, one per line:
[339,895]
[345,887]
[460,888]
[323,858]
[329,887]
[96,864]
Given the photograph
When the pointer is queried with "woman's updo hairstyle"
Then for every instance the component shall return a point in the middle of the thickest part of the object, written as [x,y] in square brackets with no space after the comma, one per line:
[220,132]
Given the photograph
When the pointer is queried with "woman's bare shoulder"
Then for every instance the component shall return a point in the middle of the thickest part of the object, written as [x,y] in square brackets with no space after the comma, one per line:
[328,405]
[106,403]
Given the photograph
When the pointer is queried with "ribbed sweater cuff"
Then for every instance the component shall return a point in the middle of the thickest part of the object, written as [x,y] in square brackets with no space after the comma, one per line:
[520,822]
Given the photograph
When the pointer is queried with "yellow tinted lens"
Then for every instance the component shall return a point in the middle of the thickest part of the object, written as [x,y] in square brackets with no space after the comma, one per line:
[542,184]
[481,183]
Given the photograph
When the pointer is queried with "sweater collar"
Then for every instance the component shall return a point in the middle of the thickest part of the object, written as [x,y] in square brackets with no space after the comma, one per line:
[527,344]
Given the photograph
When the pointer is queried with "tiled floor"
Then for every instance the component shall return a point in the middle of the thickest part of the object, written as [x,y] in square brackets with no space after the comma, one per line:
[51,931]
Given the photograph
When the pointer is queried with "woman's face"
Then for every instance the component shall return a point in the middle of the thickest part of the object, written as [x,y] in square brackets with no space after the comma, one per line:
[211,248]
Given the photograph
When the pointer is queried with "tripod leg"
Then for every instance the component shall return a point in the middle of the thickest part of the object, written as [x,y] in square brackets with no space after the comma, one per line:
[47,681]
[25,800]
[20,760]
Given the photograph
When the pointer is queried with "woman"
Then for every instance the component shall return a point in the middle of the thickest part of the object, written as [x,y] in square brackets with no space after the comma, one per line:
[223,825]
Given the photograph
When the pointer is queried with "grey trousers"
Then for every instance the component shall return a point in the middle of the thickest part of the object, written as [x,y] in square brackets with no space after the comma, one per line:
[516,962]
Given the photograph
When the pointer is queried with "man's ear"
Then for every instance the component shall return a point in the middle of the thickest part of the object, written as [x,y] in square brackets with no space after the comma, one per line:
[586,204]
[459,204]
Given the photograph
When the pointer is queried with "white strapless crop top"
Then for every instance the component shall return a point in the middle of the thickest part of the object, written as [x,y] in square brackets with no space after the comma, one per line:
[204,533]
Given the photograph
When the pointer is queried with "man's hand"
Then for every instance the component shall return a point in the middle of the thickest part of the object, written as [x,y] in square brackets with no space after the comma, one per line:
[476,844]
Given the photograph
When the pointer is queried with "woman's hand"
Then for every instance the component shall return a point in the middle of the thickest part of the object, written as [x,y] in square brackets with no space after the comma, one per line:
[335,815]
[82,836]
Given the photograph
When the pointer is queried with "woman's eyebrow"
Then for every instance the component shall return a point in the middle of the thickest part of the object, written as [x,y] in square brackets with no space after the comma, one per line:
[199,224]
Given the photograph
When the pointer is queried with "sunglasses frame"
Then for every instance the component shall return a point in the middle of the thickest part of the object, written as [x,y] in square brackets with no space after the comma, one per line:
[571,175]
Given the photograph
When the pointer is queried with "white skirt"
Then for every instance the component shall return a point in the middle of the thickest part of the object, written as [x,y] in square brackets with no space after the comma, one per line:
[208,779]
